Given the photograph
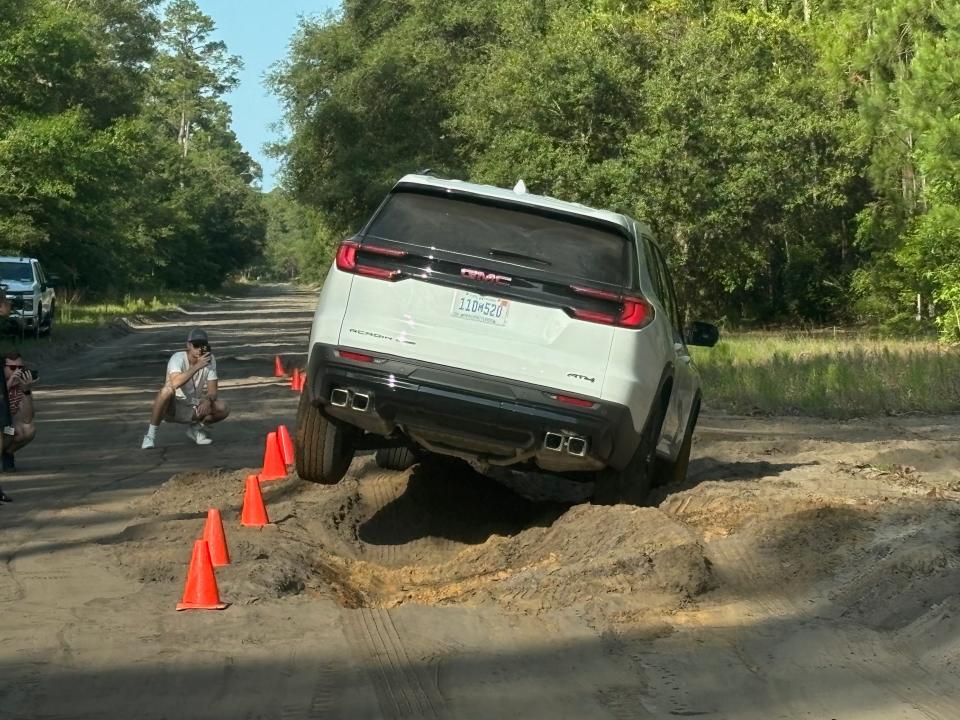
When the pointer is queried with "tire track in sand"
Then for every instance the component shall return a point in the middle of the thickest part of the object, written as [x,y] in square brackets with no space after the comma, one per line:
[405,688]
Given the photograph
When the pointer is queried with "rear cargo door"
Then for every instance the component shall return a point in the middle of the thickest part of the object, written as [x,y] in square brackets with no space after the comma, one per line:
[502,290]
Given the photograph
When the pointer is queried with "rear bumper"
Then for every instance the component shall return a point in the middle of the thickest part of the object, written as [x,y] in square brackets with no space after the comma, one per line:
[480,417]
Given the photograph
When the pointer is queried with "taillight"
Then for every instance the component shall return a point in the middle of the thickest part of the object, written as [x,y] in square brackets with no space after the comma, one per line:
[347,256]
[359,357]
[570,400]
[347,260]
[634,312]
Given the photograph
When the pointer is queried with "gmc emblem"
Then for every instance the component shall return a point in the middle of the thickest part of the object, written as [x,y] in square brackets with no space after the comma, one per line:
[484,276]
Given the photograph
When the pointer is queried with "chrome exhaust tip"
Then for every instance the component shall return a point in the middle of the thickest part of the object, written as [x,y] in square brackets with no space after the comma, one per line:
[553,441]
[360,402]
[577,445]
[339,397]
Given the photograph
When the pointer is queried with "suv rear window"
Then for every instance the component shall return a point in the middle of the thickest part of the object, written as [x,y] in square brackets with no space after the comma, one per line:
[558,244]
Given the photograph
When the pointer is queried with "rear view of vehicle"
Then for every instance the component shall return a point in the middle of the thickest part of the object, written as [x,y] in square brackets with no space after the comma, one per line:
[490,325]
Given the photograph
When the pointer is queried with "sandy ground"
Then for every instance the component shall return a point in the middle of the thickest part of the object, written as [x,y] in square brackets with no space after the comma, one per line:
[806,569]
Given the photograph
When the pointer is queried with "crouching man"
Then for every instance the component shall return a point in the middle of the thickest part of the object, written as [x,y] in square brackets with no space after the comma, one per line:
[190,393]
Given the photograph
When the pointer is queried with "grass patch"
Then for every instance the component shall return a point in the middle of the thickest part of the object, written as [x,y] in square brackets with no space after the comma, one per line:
[78,314]
[839,376]
[77,319]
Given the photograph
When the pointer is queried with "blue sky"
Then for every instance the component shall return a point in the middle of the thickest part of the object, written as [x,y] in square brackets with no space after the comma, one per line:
[260,33]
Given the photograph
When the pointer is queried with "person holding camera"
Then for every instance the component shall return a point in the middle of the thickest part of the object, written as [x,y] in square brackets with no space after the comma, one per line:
[189,395]
[6,419]
[20,430]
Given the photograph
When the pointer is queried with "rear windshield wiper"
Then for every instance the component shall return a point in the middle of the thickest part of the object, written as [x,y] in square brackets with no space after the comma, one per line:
[494,252]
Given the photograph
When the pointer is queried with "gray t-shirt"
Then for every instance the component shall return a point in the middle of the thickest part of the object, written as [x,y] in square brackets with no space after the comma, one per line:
[195,389]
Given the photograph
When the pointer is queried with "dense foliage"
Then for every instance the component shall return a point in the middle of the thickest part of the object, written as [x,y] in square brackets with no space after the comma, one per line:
[800,159]
[117,163]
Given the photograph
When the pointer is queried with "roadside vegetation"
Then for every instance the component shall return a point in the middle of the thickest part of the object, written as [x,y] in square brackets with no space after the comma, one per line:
[118,165]
[795,156]
[78,320]
[842,375]
[80,314]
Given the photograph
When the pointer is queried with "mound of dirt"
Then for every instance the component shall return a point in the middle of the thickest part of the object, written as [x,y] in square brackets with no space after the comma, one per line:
[388,540]
[195,492]
[593,558]
[935,636]
[442,534]
[157,546]
[907,567]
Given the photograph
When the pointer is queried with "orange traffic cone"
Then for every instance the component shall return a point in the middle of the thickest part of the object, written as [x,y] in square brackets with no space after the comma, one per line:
[254,512]
[278,370]
[217,542]
[273,465]
[200,592]
[286,445]
[295,379]
[302,382]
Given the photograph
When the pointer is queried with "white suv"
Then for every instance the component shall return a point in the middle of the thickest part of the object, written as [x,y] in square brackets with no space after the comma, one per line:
[511,330]
[31,294]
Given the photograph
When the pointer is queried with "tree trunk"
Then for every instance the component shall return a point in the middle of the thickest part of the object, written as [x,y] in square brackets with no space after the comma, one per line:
[183,136]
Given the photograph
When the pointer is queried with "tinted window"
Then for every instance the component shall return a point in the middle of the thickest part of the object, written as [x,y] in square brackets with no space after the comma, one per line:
[668,298]
[553,243]
[651,265]
[16,271]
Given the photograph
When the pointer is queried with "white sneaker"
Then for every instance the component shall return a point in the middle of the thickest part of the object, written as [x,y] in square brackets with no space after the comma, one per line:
[148,443]
[196,433]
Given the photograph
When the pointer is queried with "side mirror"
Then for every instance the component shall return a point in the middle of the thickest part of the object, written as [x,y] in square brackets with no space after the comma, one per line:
[702,334]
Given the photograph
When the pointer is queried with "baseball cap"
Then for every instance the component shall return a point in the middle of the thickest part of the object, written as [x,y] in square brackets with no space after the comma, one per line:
[197,336]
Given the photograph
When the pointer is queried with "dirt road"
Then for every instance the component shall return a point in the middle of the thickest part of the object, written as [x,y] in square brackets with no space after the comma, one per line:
[805,570]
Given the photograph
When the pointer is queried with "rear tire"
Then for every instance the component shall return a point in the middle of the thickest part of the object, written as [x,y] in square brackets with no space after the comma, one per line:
[676,471]
[324,446]
[631,485]
[395,458]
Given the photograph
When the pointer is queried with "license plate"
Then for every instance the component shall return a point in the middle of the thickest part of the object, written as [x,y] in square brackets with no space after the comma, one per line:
[480,308]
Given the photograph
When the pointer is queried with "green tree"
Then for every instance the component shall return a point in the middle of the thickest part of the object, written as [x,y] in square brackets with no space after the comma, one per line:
[192,73]
[298,245]
[898,61]
[212,220]
[747,169]
[793,154]
[69,146]
[558,112]
[367,95]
